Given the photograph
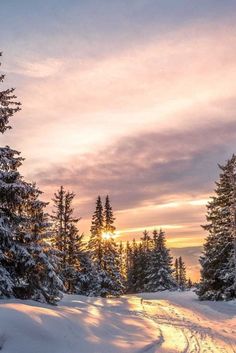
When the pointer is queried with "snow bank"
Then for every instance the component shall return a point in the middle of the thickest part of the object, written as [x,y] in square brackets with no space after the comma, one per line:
[156,322]
[215,310]
[78,325]
[189,325]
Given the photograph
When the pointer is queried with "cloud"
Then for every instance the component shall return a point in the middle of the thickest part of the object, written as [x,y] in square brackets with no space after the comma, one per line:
[146,123]
[37,69]
[154,179]
[176,160]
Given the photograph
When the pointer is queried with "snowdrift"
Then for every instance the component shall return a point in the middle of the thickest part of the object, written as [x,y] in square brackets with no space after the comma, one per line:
[156,322]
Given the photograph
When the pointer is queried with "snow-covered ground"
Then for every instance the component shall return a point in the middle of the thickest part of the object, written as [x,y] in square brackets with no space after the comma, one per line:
[159,322]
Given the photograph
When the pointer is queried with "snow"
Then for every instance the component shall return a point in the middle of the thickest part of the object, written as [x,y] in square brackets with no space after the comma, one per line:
[163,322]
[190,325]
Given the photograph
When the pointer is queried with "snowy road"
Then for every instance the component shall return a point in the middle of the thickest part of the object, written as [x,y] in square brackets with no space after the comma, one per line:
[196,328]
[147,323]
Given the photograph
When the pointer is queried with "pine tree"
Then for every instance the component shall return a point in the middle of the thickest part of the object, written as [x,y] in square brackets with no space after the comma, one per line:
[109,218]
[64,222]
[26,269]
[160,271]
[58,219]
[144,261]
[129,267]
[8,105]
[176,273]
[70,232]
[182,274]
[35,270]
[97,228]
[190,283]
[123,261]
[218,279]
[78,270]
[133,268]
[75,269]
[111,276]
[9,162]
[112,279]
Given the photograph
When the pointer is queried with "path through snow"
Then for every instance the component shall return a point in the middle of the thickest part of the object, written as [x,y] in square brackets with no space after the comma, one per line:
[187,325]
[148,323]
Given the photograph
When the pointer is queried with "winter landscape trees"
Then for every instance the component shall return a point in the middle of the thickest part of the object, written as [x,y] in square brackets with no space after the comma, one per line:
[42,255]
[26,268]
[149,264]
[218,260]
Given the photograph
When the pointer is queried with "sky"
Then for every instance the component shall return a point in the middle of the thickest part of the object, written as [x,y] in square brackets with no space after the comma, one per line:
[135,99]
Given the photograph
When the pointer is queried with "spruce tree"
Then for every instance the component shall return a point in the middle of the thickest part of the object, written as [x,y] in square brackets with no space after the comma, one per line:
[97,228]
[182,274]
[133,268]
[75,269]
[123,261]
[112,278]
[63,222]
[218,279]
[8,105]
[144,261]
[35,269]
[109,218]
[69,228]
[160,271]
[129,266]
[9,162]
[190,283]
[58,219]
[26,269]
[176,273]
[78,270]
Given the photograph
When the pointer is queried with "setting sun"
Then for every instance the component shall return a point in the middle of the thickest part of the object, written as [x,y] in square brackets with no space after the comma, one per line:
[117,176]
[107,235]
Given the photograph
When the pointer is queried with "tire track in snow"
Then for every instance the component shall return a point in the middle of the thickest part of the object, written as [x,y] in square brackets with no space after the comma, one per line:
[180,334]
[168,330]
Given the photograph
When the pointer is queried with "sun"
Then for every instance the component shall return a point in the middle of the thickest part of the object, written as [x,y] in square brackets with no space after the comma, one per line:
[107,235]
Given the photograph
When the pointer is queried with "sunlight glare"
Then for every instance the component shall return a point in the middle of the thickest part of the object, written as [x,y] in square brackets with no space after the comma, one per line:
[107,235]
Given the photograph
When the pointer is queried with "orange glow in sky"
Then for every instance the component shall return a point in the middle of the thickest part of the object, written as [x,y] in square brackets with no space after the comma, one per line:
[132,99]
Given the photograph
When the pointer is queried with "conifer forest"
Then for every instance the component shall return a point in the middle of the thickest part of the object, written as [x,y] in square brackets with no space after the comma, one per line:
[117,176]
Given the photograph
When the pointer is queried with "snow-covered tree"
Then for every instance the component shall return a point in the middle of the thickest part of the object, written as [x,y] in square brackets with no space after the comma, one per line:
[58,220]
[160,275]
[35,268]
[180,273]
[26,269]
[109,218]
[144,263]
[97,228]
[63,223]
[112,279]
[8,105]
[189,284]
[218,279]
[75,267]
[78,270]
[122,256]
[182,282]
[176,272]
[133,267]
[104,251]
